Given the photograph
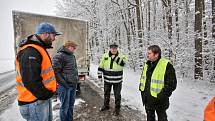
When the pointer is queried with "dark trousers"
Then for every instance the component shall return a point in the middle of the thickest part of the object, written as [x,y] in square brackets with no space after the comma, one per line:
[67,99]
[117,87]
[161,113]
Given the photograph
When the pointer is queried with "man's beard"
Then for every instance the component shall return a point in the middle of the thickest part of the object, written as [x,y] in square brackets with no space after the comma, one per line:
[48,42]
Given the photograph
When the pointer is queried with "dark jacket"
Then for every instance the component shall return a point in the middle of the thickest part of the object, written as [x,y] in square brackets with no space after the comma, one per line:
[170,82]
[65,67]
[30,61]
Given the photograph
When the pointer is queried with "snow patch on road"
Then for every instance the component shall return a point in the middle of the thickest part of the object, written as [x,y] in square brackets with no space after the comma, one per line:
[12,114]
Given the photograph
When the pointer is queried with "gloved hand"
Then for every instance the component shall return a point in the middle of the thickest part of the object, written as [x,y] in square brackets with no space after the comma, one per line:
[162,97]
[139,87]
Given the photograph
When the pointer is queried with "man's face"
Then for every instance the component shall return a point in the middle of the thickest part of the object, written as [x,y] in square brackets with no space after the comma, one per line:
[48,38]
[71,48]
[152,56]
[113,50]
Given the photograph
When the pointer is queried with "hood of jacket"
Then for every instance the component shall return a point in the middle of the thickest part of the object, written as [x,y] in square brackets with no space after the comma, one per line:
[33,39]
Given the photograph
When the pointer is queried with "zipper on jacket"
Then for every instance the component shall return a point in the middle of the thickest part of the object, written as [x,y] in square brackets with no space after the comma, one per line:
[111,64]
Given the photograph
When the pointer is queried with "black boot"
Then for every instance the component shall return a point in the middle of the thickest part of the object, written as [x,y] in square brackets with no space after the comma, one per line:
[116,111]
[104,108]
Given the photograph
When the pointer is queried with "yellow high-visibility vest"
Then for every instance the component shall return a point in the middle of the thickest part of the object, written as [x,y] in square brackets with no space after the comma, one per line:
[106,61]
[157,79]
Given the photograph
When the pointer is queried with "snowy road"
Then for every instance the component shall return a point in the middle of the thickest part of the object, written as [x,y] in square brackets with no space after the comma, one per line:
[7,80]
[7,90]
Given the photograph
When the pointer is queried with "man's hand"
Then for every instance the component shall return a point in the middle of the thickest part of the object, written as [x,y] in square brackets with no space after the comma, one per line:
[100,78]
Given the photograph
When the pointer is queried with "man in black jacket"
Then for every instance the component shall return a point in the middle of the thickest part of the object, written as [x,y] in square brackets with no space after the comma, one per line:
[34,89]
[158,81]
[66,71]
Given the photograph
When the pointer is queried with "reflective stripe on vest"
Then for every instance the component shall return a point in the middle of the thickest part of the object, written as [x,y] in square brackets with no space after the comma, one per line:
[114,74]
[157,79]
[47,73]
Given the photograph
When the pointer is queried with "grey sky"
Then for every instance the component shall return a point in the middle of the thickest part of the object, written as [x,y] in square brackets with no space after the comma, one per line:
[46,7]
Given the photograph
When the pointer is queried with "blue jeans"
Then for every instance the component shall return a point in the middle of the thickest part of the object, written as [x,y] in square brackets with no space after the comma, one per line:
[40,110]
[67,99]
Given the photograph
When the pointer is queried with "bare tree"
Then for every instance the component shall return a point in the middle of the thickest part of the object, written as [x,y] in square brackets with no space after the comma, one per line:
[213,27]
[155,13]
[176,20]
[198,39]
[213,18]
[168,5]
[149,18]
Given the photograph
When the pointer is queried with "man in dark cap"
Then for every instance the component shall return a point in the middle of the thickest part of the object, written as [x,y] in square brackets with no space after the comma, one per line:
[35,77]
[111,68]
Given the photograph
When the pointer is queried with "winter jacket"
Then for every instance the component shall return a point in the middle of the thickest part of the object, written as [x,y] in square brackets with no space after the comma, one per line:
[65,67]
[30,61]
[170,82]
[112,68]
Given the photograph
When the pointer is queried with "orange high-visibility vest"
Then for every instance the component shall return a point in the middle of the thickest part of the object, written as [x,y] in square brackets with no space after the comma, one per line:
[209,114]
[47,73]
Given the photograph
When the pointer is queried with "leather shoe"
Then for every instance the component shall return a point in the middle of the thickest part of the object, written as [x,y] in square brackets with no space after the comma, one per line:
[116,112]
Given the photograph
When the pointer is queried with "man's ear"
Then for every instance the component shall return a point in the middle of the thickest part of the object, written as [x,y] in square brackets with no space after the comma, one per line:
[47,34]
[156,55]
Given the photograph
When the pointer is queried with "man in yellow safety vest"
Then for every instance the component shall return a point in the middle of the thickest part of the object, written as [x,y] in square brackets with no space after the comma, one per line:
[111,68]
[157,82]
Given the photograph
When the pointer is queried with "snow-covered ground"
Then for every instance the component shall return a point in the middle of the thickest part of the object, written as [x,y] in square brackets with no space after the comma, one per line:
[187,102]
[12,114]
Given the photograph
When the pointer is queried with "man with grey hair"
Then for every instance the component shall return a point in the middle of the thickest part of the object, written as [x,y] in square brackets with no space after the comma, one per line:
[111,68]
[66,71]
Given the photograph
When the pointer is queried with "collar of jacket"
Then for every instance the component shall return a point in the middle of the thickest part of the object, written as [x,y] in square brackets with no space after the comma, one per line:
[34,39]
[153,62]
[110,54]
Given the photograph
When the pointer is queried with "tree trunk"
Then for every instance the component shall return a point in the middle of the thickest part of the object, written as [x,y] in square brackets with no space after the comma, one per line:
[206,50]
[213,18]
[169,24]
[139,21]
[176,20]
[198,39]
[164,18]
[155,14]
[187,9]
[213,26]
[169,20]
[149,19]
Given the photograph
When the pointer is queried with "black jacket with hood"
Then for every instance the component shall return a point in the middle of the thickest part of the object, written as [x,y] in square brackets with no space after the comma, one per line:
[30,61]
[65,67]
